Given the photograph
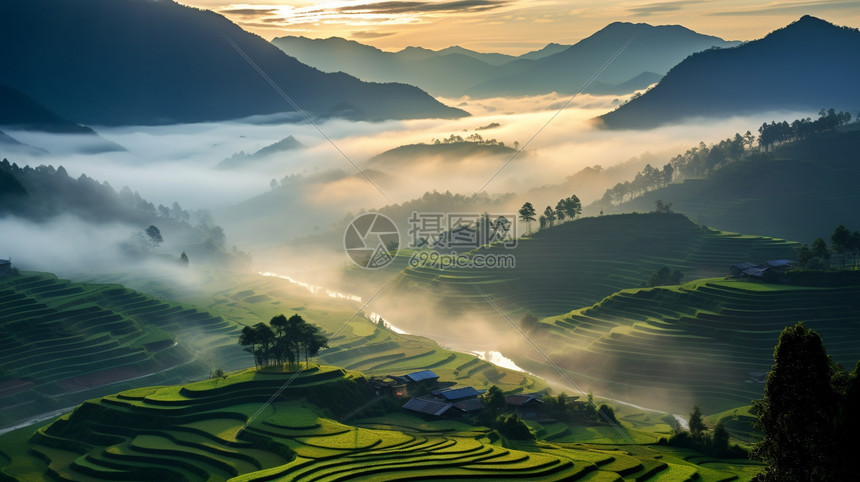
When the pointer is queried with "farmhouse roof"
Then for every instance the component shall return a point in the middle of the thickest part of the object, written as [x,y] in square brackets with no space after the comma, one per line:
[757,272]
[460,393]
[5,261]
[422,375]
[471,405]
[743,266]
[428,406]
[520,400]
[781,263]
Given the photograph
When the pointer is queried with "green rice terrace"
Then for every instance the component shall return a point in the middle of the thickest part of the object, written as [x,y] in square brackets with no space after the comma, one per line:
[222,429]
[578,263]
[707,343]
[105,337]
[63,341]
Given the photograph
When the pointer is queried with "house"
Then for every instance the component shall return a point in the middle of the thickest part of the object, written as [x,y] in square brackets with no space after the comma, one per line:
[417,383]
[440,402]
[388,385]
[5,267]
[758,272]
[737,270]
[781,265]
[525,405]
[428,405]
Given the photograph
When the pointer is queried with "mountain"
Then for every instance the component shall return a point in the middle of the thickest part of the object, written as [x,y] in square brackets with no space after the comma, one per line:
[447,74]
[652,49]
[550,49]
[456,71]
[20,111]
[452,152]
[120,62]
[807,65]
[240,159]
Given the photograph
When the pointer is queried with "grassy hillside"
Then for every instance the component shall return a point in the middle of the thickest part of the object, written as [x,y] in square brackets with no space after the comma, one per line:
[706,343]
[193,433]
[63,342]
[804,192]
[579,263]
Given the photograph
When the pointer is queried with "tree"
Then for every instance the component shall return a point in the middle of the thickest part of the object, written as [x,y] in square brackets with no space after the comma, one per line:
[494,401]
[663,208]
[559,210]
[154,235]
[527,214]
[798,410]
[606,414]
[697,425]
[183,258]
[720,440]
[541,222]
[549,214]
[572,206]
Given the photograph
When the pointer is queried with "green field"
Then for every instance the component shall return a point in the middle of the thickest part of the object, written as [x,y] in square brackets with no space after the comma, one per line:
[63,341]
[705,343]
[578,263]
[192,432]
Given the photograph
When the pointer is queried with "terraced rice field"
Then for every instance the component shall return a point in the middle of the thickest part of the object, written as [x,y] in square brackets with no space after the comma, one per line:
[706,343]
[193,433]
[59,338]
[579,263]
[360,345]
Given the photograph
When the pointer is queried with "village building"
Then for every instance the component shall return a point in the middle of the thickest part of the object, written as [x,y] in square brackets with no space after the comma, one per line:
[5,267]
[527,406]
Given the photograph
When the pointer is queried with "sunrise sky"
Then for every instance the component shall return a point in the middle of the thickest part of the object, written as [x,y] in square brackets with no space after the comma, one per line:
[512,26]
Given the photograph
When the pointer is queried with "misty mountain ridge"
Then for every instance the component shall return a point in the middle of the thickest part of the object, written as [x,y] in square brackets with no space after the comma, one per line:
[806,65]
[652,48]
[161,62]
[242,159]
[456,71]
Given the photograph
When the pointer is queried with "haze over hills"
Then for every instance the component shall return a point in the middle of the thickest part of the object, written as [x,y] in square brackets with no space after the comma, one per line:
[808,65]
[555,68]
[161,62]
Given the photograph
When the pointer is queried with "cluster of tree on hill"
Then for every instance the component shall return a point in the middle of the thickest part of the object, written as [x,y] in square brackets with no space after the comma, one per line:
[843,242]
[703,160]
[43,192]
[473,139]
[283,341]
[809,413]
[567,208]
[496,415]
[710,442]
[569,409]
[777,133]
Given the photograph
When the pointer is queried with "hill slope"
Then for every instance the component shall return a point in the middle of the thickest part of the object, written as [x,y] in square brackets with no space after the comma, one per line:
[707,343]
[579,263]
[63,342]
[212,430]
[157,62]
[803,193]
[808,65]
[22,112]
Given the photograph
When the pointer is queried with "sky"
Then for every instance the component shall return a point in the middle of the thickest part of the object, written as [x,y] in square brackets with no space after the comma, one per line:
[512,26]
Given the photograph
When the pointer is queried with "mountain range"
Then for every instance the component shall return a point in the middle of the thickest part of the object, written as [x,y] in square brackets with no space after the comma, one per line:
[456,71]
[807,65]
[122,62]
